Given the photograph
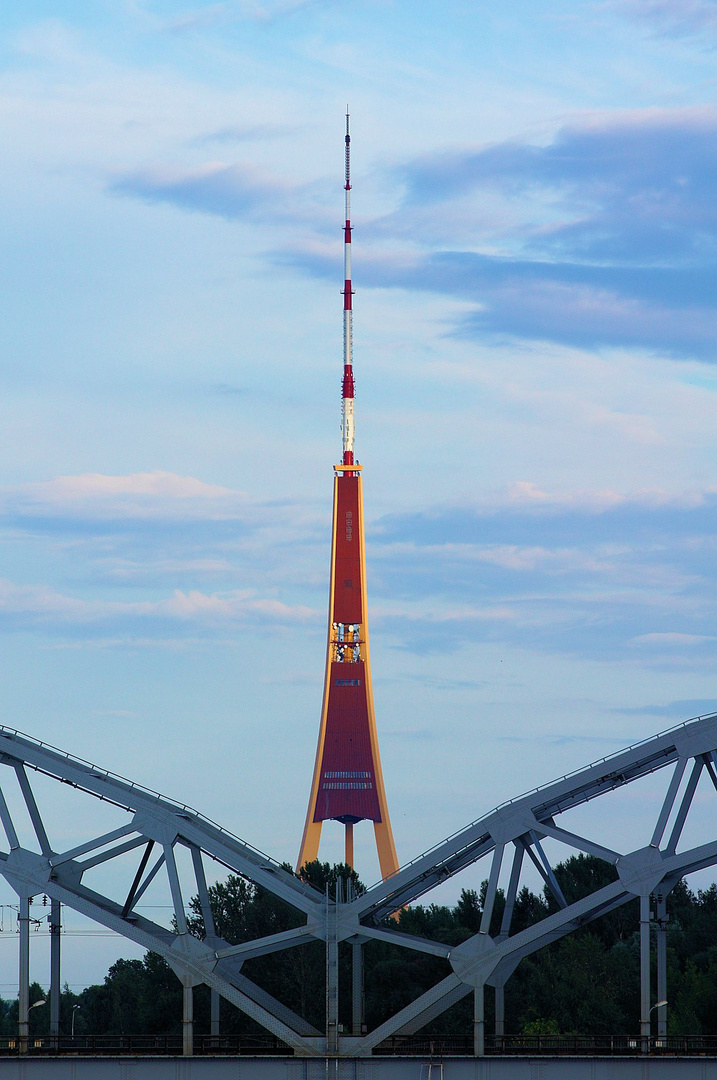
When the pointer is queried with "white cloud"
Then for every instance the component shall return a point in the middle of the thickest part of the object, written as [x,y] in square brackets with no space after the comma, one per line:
[42,604]
[157,483]
[672,17]
[506,556]
[524,494]
[217,14]
[670,639]
[96,495]
[125,570]
[450,613]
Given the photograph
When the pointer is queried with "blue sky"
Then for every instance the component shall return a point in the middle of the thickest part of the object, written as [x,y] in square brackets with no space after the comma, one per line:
[535,260]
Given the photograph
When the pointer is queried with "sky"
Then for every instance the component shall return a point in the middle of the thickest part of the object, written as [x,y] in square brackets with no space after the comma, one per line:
[535,265]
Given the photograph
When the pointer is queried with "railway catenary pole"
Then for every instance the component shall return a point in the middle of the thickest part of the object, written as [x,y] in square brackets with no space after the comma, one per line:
[661,923]
[645,969]
[55,982]
[23,1013]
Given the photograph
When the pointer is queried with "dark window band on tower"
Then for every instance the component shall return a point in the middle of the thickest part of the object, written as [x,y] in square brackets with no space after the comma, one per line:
[347,774]
[350,785]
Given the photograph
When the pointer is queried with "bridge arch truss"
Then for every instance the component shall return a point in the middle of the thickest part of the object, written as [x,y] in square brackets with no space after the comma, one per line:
[161,838]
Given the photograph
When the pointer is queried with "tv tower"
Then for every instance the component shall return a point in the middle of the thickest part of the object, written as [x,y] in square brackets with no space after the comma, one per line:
[348,783]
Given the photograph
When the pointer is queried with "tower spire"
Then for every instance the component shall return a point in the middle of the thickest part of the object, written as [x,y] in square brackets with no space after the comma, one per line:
[348,782]
[347,395]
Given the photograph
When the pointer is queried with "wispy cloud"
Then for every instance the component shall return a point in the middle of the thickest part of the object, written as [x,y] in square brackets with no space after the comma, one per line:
[687,707]
[238,192]
[239,133]
[42,605]
[156,484]
[665,309]
[671,639]
[231,191]
[616,237]
[203,16]
[678,18]
[526,497]
[98,497]
[607,237]
[577,572]
[631,188]
[585,572]
[604,236]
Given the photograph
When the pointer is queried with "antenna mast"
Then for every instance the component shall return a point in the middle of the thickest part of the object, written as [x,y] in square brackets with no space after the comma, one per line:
[347,394]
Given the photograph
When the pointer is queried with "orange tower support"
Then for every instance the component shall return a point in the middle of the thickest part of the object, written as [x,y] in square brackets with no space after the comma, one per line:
[347,785]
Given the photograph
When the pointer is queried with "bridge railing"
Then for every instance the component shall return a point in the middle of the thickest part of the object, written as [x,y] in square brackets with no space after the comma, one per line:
[424,1046]
[141,1045]
[438,1046]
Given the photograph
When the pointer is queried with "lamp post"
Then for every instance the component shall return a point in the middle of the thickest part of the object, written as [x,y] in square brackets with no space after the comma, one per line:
[72,1026]
[646,1039]
[35,1004]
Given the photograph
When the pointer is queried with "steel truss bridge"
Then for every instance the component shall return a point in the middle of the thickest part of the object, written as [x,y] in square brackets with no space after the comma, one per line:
[159,839]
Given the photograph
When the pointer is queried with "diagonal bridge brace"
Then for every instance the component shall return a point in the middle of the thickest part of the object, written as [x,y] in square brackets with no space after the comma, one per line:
[26,870]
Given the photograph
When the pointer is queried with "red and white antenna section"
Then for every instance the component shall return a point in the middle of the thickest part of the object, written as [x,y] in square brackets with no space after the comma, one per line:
[347,396]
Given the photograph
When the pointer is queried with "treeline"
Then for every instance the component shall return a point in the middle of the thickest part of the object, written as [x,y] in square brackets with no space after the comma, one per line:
[587,983]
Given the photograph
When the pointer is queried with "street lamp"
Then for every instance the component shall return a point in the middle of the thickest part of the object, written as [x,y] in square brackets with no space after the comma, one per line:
[41,1001]
[645,1028]
[659,1005]
[72,1028]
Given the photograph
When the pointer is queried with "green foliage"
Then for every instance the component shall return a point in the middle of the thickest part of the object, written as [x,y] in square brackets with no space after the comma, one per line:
[586,983]
[322,876]
[540,1027]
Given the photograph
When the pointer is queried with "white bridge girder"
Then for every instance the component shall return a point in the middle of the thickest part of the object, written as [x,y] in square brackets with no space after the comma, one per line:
[157,829]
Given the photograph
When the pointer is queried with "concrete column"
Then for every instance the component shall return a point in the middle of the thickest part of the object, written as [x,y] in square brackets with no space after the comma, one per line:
[187,1020]
[23,1016]
[500,1011]
[356,987]
[645,971]
[662,920]
[55,992]
[214,1006]
[479,1021]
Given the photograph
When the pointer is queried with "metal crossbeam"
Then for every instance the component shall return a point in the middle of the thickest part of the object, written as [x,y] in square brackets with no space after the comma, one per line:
[91,845]
[129,902]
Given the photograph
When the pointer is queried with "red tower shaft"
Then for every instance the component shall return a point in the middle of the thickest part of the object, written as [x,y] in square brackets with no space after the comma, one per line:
[347,785]
[348,782]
